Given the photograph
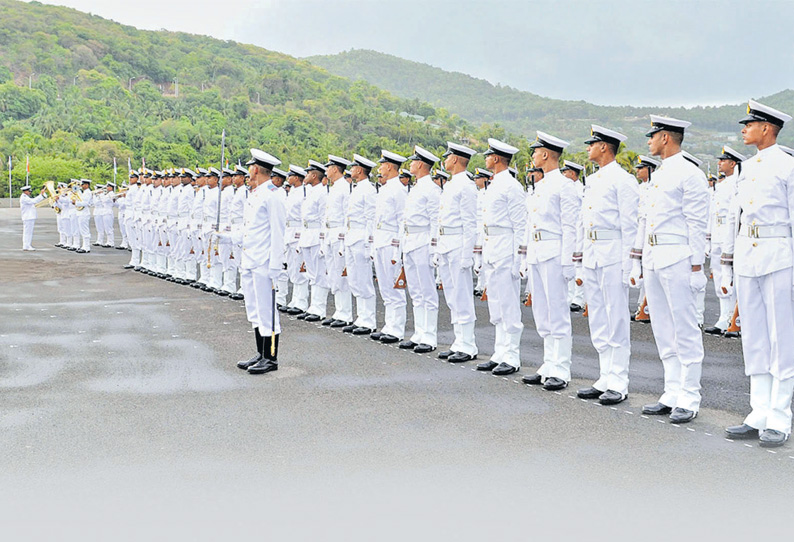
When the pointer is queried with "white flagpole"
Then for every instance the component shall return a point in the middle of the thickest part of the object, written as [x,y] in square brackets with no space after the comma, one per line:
[10,195]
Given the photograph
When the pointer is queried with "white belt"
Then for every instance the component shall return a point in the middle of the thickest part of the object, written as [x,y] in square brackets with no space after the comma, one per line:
[758,232]
[416,229]
[184,215]
[294,223]
[352,225]
[542,235]
[339,224]
[496,230]
[603,235]
[450,230]
[237,221]
[387,227]
[312,224]
[667,239]
[721,219]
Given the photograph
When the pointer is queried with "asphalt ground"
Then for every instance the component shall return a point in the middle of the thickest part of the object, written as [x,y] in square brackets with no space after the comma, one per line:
[123,417]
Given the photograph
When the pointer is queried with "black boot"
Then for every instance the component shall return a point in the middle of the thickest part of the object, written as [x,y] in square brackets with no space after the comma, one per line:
[269,361]
[244,365]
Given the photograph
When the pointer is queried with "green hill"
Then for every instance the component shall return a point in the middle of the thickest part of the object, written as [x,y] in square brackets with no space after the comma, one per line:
[521,112]
[77,90]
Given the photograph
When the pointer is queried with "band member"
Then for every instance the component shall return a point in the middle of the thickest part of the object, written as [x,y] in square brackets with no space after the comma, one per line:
[28,212]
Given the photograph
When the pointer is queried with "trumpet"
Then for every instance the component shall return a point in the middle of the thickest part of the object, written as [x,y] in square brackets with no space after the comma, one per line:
[52,196]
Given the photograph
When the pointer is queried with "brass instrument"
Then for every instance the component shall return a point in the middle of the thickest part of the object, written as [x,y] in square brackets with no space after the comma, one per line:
[52,196]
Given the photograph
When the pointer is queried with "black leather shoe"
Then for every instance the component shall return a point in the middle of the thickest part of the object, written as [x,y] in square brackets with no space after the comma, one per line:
[169,278]
[375,335]
[633,317]
[73,249]
[575,307]
[327,321]
[302,316]
[682,415]
[772,438]
[348,329]
[477,293]
[360,330]
[196,285]
[222,293]
[95,244]
[339,323]
[282,308]
[407,344]
[137,268]
[554,384]
[487,366]
[423,348]
[263,366]
[81,251]
[503,369]
[611,397]
[741,432]
[533,380]
[460,357]
[589,393]
[294,311]
[205,288]
[128,266]
[236,297]
[120,248]
[312,318]
[732,334]
[385,338]
[444,354]
[713,330]
[245,364]
[656,409]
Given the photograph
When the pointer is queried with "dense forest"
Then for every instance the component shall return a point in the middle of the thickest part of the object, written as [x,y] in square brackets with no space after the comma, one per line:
[78,91]
[523,112]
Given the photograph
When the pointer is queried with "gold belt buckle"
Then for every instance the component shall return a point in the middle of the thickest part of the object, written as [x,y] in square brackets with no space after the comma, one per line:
[591,235]
[536,235]
[753,230]
[652,239]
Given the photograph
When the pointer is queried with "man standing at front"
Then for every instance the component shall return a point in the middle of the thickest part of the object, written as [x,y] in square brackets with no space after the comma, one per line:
[27,208]
[606,234]
[457,235]
[551,241]
[504,223]
[671,245]
[335,212]
[389,208]
[263,262]
[418,245]
[762,260]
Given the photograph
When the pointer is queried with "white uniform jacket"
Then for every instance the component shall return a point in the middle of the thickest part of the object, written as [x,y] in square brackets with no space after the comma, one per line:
[552,222]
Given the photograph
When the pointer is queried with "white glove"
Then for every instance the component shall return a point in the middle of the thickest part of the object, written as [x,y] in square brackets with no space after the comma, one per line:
[635,276]
[579,277]
[697,281]
[568,272]
[434,260]
[477,265]
[708,248]
[726,283]
[274,274]
[515,269]
[466,263]
[626,275]
[396,255]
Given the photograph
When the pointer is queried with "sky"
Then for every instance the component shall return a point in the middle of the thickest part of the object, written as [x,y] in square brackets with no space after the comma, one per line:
[608,52]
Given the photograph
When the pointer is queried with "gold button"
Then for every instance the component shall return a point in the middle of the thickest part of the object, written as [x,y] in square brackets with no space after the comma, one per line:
[534,210]
[755,244]
[590,207]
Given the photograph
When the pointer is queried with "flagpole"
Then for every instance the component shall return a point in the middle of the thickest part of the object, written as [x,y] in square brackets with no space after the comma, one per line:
[27,169]
[10,195]
[114,170]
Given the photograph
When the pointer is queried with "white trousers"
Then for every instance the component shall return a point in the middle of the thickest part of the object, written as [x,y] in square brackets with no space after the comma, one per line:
[458,288]
[727,302]
[27,233]
[335,265]
[420,276]
[99,226]
[84,223]
[359,278]
[259,309]
[552,316]
[315,272]
[576,294]
[393,298]
[504,309]
[608,318]
[300,282]
[677,335]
